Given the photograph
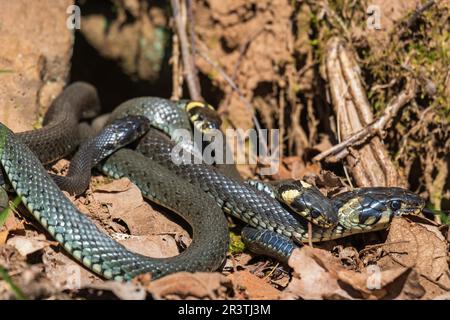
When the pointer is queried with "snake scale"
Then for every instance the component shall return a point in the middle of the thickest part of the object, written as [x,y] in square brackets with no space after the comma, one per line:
[183,189]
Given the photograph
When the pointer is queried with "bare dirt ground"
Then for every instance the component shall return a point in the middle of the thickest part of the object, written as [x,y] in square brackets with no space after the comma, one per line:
[319,71]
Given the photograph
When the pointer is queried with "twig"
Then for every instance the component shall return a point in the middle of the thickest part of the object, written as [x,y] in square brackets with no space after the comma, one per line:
[177,77]
[375,127]
[379,245]
[347,176]
[188,61]
[310,243]
[271,271]
[233,86]
[418,12]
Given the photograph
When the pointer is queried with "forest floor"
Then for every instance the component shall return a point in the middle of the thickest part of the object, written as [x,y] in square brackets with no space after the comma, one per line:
[382,66]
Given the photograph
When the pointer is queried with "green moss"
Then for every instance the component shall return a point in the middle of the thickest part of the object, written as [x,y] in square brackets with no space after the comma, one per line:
[236,244]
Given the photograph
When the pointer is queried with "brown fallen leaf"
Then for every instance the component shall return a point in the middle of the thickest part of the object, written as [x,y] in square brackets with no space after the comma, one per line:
[313,278]
[319,275]
[121,290]
[420,246]
[125,203]
[250,286]
[398,283]
[122,189]
[66,273]
[13,223]
[26,245]
[156,246]
[445,296]
[185,285]
[60,166]
[3,236]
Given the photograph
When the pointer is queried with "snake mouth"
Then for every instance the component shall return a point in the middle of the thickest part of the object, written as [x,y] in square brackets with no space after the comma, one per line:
[409,211]
[322,223]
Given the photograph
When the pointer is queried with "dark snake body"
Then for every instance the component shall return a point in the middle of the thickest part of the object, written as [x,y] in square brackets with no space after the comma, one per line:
[77,234]
[181,188]
[59,135]
[93,248]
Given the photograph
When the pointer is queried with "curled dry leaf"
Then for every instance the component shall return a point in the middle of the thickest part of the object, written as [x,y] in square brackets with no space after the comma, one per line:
[250,286]
[319,275]
[314,276]
[125,203]
[185,285]
[27,245]
[420,246]
[60,166]
[398,283]
[152,233]
[3,237]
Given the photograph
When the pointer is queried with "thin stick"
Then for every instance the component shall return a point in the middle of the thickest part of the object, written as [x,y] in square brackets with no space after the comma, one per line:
[375,127]
[379,245]
[310,243]
[177,77]
[188,61]
[233,86]
[271,271]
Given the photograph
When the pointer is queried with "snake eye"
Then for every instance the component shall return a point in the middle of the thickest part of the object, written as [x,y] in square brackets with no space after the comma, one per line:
[395,205]
[315,214]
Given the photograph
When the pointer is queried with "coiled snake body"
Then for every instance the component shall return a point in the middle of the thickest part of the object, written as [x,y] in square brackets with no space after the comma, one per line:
[182,188]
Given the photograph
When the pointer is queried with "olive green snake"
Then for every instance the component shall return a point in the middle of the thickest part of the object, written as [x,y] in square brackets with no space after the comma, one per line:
[183,188]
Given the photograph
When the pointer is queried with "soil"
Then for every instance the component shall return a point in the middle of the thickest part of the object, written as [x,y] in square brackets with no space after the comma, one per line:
[275,52]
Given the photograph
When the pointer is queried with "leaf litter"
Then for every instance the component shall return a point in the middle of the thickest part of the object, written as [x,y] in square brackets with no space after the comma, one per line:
[391,270]
[410,261]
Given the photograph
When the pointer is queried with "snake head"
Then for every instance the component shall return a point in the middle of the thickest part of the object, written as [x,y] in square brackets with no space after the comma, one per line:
[374,208]
[203,116]
[307,201]
[125,130]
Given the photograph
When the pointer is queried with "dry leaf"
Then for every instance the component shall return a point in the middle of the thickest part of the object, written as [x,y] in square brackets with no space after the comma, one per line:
[150,245]
[420,246]
[125,203]
[3,236]
[398,283]
[253,287]
[66,273]
[122,290]
[26,245]
[319,275]
[185,285]
[312,279]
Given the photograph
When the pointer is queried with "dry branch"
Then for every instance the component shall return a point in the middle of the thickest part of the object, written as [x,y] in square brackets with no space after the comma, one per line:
[370,164]
[376,127]
[233,86]
[188,60]
[418,12]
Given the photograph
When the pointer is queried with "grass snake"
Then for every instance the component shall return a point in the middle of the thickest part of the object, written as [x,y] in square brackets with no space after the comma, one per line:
[273,229]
